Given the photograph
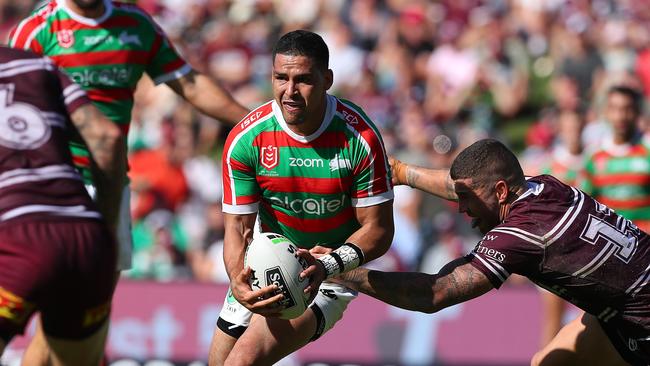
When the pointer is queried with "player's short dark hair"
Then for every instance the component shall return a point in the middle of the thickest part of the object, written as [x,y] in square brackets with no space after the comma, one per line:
[632,93]
[486,162]
[304,43]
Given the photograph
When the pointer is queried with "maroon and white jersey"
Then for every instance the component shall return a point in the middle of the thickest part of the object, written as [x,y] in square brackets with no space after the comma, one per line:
[36,171]
[572,245]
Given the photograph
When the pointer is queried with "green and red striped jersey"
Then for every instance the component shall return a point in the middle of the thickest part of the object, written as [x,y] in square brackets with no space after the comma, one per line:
[106,56]
[564,165]
[306,187]
[619,177]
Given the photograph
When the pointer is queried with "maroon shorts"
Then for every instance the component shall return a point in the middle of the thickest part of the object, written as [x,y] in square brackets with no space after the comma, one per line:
[634,350]
[62,267]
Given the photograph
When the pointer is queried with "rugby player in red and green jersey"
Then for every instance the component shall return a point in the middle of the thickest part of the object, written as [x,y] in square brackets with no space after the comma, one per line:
[618,174]
[312,167]
[106,47]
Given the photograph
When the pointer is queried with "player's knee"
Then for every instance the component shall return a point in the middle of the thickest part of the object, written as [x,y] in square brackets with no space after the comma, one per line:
[537,359]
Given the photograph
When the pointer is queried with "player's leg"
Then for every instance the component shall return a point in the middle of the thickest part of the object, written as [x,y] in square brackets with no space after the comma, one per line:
[553,311]
[267,340]
[37,352]
[581,342]
[86,351]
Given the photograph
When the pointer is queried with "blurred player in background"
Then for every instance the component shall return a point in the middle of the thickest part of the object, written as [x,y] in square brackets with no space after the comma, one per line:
[567,159]
[56,254]
[557,236]
[618,174]
[106,47]
[311,167]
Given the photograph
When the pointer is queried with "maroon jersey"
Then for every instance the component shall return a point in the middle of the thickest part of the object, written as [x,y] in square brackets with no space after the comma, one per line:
[572,245]
[36,171]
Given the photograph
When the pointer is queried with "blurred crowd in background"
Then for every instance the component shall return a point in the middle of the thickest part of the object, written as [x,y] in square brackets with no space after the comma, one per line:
[434,76]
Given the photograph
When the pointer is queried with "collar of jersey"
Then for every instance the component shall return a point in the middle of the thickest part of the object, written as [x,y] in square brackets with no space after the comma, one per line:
[533,188]
[329,115]
[623,149]
[108,10]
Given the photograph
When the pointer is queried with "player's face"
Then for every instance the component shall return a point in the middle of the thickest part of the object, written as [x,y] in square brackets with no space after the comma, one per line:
[479,203]
[88,4]
[299,88]
[620,112]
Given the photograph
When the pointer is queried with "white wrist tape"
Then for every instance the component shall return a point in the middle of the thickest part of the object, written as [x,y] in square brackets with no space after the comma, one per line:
[345,258]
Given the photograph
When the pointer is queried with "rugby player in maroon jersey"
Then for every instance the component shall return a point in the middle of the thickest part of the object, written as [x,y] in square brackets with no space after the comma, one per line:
[557,236]
[106,46]
[57,255]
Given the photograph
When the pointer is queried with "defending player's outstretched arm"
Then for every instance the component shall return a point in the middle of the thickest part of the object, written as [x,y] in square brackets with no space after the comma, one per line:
[456,282]
[434,181]
[208,97]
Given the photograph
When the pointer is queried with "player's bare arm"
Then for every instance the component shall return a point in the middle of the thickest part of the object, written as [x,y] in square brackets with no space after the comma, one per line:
[434,181]
[108,152]
[457,282]
[373,238]
[208,97]
[238,233]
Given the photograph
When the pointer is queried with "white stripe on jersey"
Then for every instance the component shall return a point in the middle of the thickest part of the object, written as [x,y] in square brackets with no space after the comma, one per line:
[71,211]
[234,143]
[598,261]
[522,234]
[54,119]
[640,282]
[18,176]
[502,276]
[365,145]
[574,210]
[43,12]
[13,68]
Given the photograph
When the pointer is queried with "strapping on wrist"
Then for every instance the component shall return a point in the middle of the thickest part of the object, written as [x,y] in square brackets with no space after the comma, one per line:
[343,259]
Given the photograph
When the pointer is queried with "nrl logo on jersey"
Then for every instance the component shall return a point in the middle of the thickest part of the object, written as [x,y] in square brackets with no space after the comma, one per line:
[65,38]
[269,157]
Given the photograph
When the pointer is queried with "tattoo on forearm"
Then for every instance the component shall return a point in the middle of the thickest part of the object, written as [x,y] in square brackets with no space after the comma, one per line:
[411,177]
[449,185]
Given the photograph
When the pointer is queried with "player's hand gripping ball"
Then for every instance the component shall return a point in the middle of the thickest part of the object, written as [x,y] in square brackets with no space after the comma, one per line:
[274,261]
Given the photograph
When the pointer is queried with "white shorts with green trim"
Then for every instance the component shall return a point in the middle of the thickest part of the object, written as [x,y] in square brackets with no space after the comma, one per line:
[124,238]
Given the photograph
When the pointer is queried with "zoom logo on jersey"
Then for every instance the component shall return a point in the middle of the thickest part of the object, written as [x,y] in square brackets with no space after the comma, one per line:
[492,253]
[310,205]
[309,163]
[274,276]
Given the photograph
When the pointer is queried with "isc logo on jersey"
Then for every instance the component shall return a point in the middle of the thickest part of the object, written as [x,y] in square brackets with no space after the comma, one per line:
[310,205]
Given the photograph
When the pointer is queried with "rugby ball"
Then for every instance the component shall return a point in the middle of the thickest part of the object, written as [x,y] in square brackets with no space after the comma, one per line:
[274,261]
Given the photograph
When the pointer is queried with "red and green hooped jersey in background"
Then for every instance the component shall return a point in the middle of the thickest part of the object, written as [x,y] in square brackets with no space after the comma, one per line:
[106,56]
[619,177]
[564,165]
[305,187]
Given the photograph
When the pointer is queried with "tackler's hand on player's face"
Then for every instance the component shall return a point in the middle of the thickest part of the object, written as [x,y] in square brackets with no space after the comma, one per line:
[315,271]
[263,301]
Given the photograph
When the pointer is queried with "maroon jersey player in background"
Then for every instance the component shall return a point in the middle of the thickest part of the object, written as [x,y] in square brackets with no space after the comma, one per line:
[57,255]
[557,236]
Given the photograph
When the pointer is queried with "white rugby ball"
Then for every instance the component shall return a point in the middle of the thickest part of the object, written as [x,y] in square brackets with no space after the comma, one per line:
[273,259]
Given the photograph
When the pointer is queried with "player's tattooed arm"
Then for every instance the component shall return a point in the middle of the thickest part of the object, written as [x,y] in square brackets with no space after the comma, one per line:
[108,158]
[434,181]
[457,282]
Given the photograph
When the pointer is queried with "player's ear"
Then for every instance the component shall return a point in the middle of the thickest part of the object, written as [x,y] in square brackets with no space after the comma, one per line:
[329,79]
[501,190]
